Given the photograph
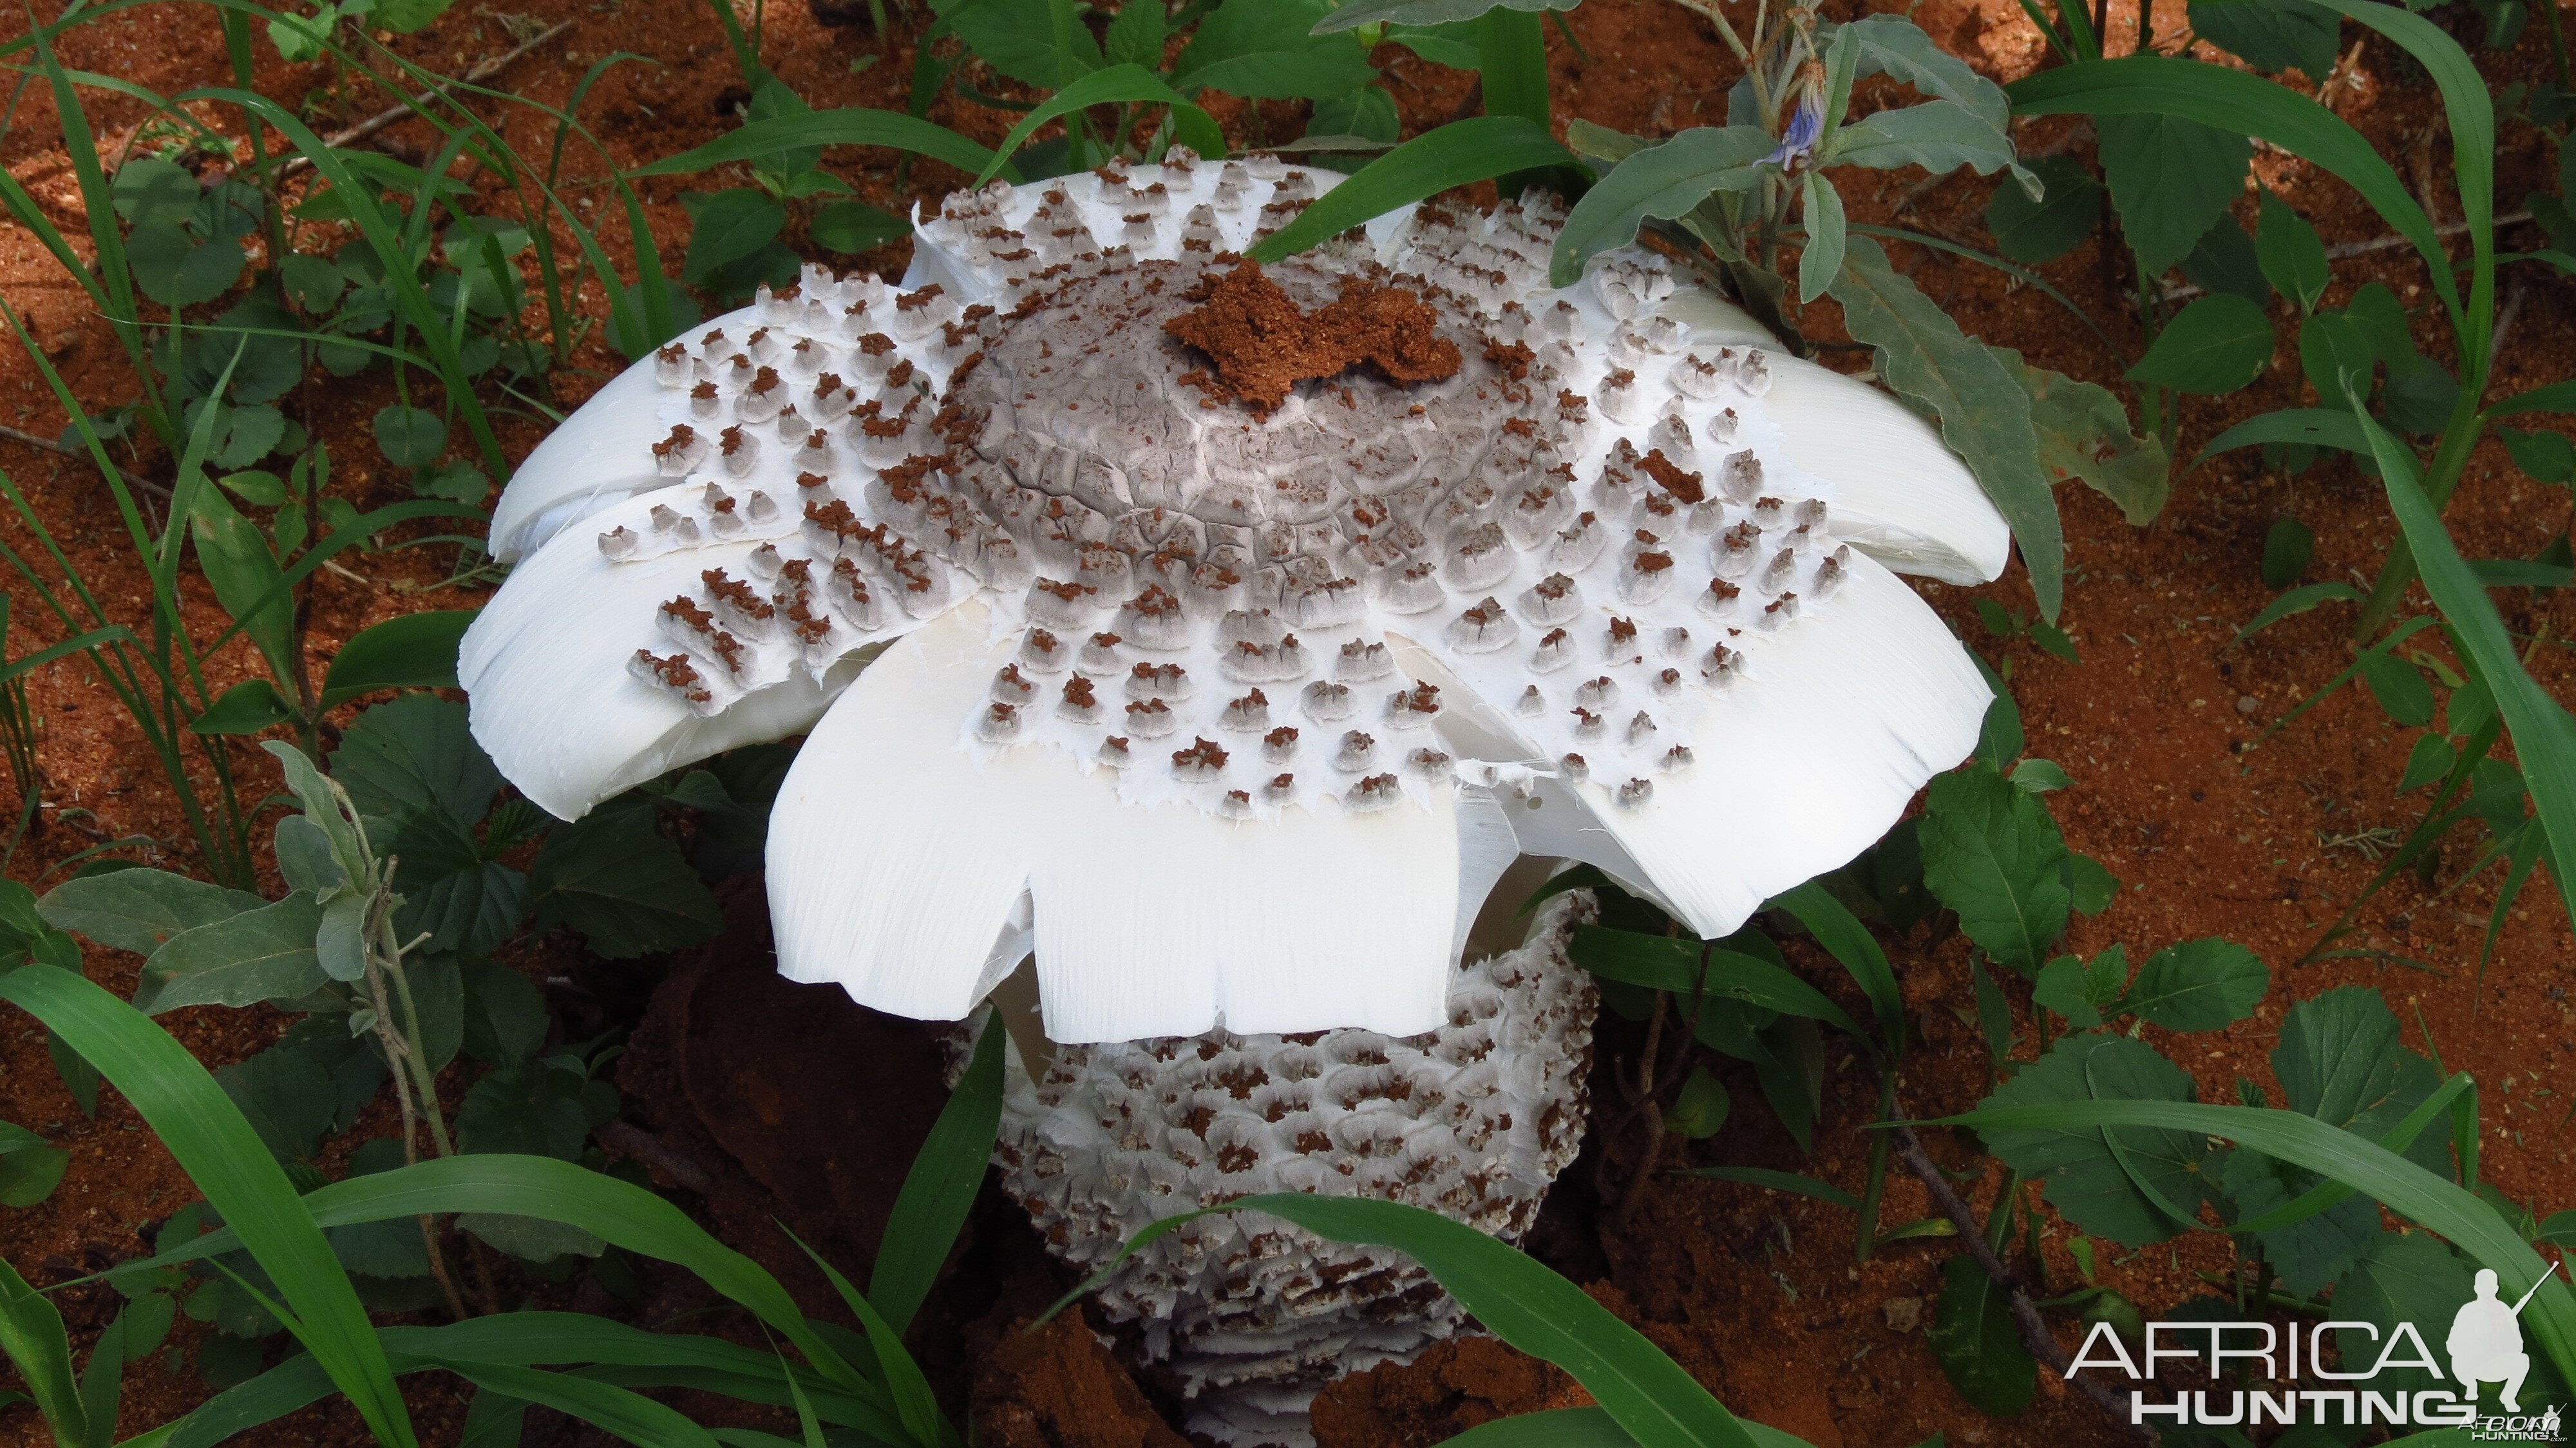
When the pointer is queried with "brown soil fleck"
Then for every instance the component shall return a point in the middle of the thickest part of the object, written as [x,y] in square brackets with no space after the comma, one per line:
[1452,1387]
[1058,1387]
[1263,344]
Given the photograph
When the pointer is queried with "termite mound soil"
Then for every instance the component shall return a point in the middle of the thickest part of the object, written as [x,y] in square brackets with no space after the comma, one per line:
[1263,343]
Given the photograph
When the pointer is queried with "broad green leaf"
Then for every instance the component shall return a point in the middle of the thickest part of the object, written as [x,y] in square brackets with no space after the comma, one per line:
[2334,345]
[2343,1061]
[2216,345]
[1822,256]
[940,1186]
[2084,433]
[258,955]
[2400,689]
[410,437]
[845,127]
[1982,411]
[414,754]
[2133,1184]
[1700,1108]
[624,887]
[2200,985]
[2239,105]
[138,910]
[1135,36]
[2293,259]
[2032,232]
[2410,1278]
[1034,42]
[2224,262]
[848,227]
[1991,853]
[149,191]
[2275,35]
[1662,963]
[1266,49]
[1661,181]
[407,651]
[226,1161]
[2404,1187]
[246,708]
[286,1096]
[2061,988]
[728,227]
[235,557]
[176,270]
[1424,12]
[1973,1337]
[1458,154]
[2171,180]
[30,1166]
[405,16]
[2287,548]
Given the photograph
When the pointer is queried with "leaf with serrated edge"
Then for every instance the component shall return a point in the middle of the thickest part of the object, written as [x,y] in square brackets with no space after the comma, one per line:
[2199,985]
[2090,1184]
[1992,854]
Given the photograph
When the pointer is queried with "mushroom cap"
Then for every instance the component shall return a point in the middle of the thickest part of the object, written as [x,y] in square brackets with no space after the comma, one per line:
[1226,674]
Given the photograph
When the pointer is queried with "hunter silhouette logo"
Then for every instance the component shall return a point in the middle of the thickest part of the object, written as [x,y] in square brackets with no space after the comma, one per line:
[2484,1345]
[2486,1342]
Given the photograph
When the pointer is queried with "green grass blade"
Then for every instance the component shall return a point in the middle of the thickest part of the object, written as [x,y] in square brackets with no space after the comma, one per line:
[1556,1428]
[1478,149]
[215,1145]
[913,1401]
[1517,1299]
[619,1212]
[2236,100]
[1511,57]
[1847,940]
[295,1383]
[2403,1187]
[2556,397]
[850,126]
[1118,83]
[1533,1309]
[95,638]
[1779,1181]
[31,1334]
[940,1187]
[620,1411]
[2305,426]
[2544,737]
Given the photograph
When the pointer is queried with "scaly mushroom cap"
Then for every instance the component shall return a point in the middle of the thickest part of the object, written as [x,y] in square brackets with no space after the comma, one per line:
[1242,624]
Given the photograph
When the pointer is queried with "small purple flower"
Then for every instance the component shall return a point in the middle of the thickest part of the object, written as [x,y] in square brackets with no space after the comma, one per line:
[1806,125]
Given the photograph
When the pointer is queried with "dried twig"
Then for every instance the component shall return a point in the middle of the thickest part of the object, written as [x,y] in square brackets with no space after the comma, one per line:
[2342,249]
[481,71]
[51,446]
[2035,1333]
[632,1140]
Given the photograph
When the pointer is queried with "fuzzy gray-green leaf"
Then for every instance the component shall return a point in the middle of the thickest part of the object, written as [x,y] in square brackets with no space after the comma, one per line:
[1983,413]
[138,910]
